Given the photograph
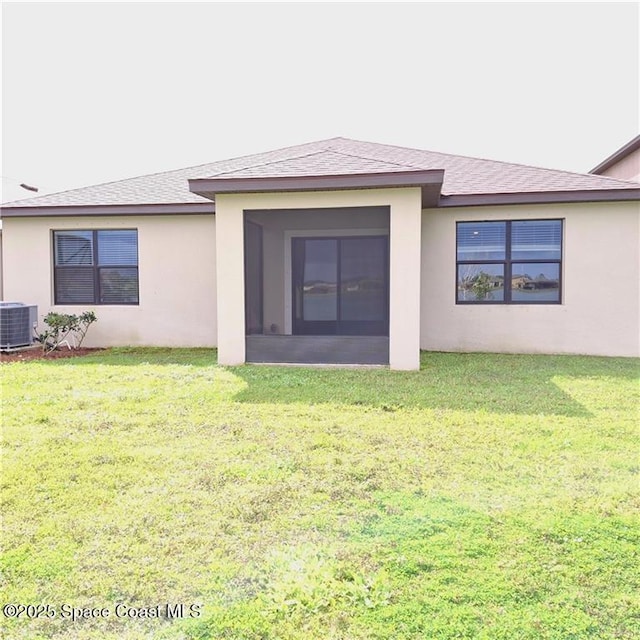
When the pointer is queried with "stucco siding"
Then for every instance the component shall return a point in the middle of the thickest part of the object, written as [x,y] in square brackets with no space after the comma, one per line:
[600,310]
[177,281]
[1,263]
[599,314]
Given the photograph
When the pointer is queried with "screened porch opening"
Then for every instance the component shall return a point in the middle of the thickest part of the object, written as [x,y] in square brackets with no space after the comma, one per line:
[317,286]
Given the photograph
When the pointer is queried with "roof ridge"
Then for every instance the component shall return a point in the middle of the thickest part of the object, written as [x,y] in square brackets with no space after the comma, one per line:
[408,165]
[266,164]
[463,174]
[167,172]
[491,160]
[538,168]
[260,153]
[104,184]
[329,149]
[401,148]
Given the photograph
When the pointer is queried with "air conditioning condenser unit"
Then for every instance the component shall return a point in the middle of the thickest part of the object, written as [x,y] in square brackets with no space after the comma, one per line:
[17,322]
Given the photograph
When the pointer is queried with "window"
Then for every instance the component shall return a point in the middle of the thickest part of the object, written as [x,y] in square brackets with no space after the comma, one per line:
[509,262]
[96,267]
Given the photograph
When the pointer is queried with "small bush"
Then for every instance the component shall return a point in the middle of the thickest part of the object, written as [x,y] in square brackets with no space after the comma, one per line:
[63,327]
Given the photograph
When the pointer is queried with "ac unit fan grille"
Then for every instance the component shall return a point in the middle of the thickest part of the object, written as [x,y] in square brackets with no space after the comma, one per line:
[16,325]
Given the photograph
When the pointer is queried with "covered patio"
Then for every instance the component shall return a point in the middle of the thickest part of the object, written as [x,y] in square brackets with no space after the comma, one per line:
[320,275]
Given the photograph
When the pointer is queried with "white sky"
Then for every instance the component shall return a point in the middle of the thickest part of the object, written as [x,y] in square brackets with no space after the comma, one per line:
[99,92]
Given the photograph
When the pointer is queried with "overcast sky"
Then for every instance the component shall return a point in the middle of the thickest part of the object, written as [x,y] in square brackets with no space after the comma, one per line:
[99,92]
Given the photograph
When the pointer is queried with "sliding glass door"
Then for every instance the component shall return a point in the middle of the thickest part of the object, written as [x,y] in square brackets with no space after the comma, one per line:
[340,286]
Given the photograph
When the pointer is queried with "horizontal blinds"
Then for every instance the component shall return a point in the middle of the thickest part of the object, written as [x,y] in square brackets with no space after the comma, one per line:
[74,285]
[481,240]
[118,247]
[115,247]
[73,248]
[536,239]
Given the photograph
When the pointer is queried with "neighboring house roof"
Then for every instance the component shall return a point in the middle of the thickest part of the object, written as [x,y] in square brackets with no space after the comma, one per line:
[466,181]
[620,154]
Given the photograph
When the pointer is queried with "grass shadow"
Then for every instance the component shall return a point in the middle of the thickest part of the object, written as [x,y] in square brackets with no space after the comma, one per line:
[135,356]
[496,383]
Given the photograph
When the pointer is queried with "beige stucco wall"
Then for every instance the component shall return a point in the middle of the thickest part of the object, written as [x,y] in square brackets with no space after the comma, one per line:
[600,311]
[405,221]
[626,169]
[177,282]
[1,279]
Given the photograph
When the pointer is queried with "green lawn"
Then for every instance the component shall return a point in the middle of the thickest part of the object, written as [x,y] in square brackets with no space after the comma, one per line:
[486,496]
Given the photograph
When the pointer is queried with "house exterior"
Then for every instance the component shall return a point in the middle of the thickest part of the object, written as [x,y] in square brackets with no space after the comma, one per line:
[339,252]
[624,164]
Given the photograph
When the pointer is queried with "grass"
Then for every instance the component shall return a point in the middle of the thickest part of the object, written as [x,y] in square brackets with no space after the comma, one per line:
[486,496]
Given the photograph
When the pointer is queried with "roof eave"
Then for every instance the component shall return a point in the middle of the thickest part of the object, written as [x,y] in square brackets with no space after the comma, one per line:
[431,198]
[182,208]
[540,197]
[429,181]
[620,154]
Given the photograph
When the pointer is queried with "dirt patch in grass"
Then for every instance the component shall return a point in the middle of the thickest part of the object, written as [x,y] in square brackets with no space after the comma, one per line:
[35,353]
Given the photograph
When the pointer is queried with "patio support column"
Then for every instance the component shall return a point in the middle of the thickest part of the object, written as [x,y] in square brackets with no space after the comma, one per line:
[230,279]
[405,240]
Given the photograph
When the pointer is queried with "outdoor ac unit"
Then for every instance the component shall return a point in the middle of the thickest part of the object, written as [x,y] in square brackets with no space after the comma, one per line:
[17,321]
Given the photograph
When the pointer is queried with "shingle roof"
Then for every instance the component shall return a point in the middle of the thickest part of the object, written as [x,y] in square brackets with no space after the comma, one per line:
[336,156]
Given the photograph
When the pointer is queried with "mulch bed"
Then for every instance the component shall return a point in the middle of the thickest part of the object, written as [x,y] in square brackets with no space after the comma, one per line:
[35,353]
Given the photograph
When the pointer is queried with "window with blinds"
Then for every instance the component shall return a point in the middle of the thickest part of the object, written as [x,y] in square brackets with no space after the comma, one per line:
[96,267]
[509,262]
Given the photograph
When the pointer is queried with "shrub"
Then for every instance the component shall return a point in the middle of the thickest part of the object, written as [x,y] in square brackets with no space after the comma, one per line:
[63,327]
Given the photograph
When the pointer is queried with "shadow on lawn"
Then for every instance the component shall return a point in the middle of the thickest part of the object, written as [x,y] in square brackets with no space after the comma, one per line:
[496,383]
[133,356]
[469,382]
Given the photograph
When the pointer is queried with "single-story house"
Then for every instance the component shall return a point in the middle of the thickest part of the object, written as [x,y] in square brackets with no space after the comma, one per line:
[341,252]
